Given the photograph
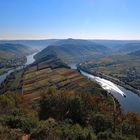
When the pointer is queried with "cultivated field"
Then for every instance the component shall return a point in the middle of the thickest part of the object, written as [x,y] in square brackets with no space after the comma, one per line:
[51,72]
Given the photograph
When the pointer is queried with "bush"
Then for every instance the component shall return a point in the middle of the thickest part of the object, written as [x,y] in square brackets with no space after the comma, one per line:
[67,105]
[62,106]
[8,103]
[50,129]
[101,123]
[9,134]
[107,135]
[18,120]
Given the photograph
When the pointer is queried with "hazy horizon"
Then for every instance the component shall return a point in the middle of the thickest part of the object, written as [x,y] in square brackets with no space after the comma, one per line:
[35,39]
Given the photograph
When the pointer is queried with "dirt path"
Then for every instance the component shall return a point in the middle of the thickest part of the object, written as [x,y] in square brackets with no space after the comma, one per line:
[25,137]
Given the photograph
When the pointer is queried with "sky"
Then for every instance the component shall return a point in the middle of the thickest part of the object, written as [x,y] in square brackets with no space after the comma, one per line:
[85,19]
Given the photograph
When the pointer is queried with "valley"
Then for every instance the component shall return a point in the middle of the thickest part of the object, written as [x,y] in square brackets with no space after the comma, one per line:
[49,88]
[13,56]
[69,70]
[50,76]
[50,71]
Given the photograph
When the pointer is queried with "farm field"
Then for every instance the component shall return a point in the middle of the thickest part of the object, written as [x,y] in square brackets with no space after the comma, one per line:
[41,75]
[38,79]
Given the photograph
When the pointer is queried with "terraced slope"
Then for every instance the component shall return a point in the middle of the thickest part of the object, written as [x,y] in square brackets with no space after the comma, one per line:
[51,72]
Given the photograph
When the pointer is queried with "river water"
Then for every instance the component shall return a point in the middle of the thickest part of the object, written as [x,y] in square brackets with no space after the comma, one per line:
[30,60]
[128,100]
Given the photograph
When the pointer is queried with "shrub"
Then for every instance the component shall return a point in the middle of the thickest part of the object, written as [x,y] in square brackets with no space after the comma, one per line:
[9,134]
[50,129]
[101,123]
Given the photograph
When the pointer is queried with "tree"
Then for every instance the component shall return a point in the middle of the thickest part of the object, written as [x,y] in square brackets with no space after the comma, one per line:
[131,124]
[101,123]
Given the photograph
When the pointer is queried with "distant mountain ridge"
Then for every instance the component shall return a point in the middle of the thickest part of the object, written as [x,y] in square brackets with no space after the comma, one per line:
[9,50]
[114,45]
[72,50]
[37,44]
[136,53]
[130,47]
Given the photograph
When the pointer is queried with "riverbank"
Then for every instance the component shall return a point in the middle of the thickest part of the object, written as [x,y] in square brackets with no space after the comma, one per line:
[129,103]
[112,79]
[12,82]
[4,70]
[29,60]
[6,64]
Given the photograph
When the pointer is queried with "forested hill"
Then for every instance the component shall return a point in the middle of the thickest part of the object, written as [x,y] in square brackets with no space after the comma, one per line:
[8,50]
[72,51]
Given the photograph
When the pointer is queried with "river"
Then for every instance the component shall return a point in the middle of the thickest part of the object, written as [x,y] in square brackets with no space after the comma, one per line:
[30,60]
[128,100]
